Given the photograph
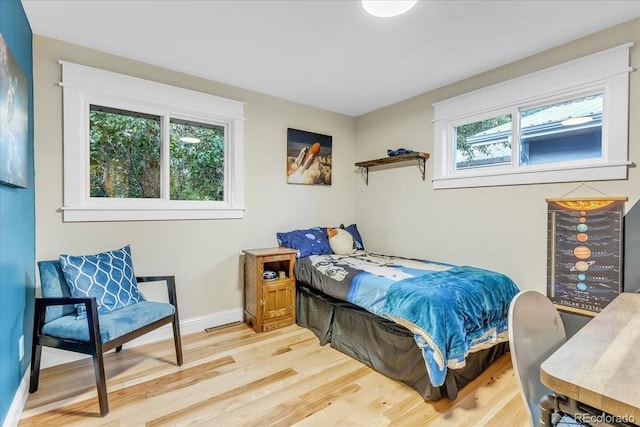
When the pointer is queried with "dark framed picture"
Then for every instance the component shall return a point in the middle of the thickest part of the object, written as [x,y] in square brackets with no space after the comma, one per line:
[584,254]
[308,158]
[14,121]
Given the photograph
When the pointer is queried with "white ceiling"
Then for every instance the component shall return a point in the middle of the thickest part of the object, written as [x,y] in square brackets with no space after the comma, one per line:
[324,53]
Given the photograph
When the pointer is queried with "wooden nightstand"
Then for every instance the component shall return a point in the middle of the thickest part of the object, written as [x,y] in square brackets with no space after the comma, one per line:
[269,304]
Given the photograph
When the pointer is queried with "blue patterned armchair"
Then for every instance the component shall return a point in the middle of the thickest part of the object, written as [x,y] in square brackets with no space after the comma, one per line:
[57,324]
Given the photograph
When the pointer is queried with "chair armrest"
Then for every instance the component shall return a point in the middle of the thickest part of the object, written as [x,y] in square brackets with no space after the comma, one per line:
[90,304]
[42,303]
[171,286]
[49,301]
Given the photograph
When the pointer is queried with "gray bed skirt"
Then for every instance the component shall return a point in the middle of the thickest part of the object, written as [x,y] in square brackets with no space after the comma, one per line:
[382,344]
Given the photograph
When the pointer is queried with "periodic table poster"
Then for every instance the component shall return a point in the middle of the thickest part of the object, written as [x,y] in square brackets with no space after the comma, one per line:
[584,253]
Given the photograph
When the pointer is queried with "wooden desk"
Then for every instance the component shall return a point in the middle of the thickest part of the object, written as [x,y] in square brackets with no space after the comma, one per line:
[600,365]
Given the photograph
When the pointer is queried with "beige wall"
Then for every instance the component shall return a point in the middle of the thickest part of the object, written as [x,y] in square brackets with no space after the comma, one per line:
[501,228]
[203,255]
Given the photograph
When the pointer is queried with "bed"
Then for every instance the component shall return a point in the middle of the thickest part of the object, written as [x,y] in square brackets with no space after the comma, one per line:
[431,325]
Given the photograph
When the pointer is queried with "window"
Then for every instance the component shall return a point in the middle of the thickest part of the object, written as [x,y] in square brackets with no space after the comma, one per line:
[196,161]
[563,131]
[483,143]
[140,150]
[566,123]
[124,154]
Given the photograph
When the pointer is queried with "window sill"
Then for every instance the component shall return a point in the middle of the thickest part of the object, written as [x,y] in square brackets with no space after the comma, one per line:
[84,214]
[601,172]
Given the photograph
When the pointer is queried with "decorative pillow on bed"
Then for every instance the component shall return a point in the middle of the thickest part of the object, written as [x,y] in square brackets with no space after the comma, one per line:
[312,241]
[341,241]
[353,230]
[107,276]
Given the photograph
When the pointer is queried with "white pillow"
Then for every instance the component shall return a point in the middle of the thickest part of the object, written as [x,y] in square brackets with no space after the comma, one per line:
[341,241]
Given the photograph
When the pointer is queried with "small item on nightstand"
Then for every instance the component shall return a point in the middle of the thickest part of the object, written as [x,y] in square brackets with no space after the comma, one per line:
[282,274]
[269,275]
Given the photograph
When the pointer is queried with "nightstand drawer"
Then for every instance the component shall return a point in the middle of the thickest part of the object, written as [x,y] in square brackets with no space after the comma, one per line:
[276,258]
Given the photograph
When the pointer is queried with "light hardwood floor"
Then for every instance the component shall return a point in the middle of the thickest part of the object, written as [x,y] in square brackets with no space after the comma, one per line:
[234,377]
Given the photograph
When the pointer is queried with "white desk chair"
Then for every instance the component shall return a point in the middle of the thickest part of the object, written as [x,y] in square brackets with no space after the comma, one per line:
[536,330]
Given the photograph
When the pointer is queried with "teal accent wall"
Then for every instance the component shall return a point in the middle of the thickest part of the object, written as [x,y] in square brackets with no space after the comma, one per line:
[17,231]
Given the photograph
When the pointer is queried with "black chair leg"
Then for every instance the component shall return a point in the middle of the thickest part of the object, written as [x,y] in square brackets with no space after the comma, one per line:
[36,355]
[101,383]
[95,343]
[36,349]
[176,340]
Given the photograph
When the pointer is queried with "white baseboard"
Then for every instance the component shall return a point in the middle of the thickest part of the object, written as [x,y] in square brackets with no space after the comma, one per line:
[19,400]
[54,356]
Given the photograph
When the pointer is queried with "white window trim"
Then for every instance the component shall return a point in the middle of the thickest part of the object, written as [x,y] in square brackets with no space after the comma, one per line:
[607,71]
[84,85]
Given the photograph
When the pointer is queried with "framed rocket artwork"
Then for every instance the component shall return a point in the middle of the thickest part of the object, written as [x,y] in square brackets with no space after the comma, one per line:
[308,158]
[584,252]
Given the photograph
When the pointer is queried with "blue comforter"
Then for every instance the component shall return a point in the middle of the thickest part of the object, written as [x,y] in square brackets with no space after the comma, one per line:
[451,310]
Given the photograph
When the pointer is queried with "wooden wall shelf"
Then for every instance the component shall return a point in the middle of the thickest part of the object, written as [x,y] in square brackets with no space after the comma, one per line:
[420,157]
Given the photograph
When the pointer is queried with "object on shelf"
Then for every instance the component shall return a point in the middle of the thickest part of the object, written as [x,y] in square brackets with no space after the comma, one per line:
[399,152]
[269,275]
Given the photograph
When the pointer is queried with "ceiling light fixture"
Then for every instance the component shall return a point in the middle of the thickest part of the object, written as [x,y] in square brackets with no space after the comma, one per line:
[387,8]
[189,140]
[576,121]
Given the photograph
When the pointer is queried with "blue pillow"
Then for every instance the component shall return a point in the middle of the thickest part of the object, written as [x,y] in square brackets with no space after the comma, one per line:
[107,276]
[353,230]
[312,241]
